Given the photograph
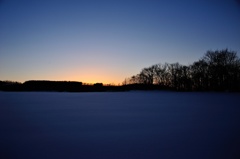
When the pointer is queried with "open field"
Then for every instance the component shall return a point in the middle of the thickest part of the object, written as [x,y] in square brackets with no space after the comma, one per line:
[119,125]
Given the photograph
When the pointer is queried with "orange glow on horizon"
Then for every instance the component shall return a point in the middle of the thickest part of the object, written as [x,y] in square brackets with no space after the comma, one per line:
[96,74]
[104,80]
[86,75]
[93,78]
[83,80]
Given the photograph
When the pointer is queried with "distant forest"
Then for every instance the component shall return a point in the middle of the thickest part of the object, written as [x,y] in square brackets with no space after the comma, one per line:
[216,71]
[56,86]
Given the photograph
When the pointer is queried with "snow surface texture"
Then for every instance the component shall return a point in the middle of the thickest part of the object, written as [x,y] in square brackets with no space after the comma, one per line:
[121,125]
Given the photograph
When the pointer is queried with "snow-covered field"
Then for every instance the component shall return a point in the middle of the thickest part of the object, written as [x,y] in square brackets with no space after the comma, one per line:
[120,125]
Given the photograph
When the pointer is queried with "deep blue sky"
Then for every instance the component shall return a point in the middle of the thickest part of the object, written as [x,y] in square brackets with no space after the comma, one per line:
[108,40]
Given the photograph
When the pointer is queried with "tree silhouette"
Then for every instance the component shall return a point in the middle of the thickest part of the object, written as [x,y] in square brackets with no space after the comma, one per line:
[162,76]
[147,75]
[215,71]
[199,75]
[223,69]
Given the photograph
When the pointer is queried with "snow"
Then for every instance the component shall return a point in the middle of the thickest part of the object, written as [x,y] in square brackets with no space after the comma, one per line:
[119,125]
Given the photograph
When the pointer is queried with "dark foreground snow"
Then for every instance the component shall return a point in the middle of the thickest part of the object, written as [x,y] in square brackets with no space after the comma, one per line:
[123,125]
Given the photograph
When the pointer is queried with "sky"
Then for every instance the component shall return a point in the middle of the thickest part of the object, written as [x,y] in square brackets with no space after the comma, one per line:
[109,40]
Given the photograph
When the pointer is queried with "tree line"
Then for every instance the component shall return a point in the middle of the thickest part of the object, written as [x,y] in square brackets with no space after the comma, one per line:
[56,86]
[216,71]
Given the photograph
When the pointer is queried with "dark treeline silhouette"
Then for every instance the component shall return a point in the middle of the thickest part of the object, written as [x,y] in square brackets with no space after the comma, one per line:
[216,71]
[56,86]
[52,85]
[10,86]
[38,85]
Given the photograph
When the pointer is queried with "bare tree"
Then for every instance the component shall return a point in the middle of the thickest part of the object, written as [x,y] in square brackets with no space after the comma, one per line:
[217,70]
[223,68]
[147,75]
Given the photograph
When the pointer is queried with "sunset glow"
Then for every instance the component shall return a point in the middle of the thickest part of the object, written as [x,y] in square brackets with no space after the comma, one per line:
[107,41]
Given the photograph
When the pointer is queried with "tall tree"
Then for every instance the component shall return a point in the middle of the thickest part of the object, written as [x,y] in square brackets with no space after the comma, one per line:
[199,75]
[147,75]
[223,68]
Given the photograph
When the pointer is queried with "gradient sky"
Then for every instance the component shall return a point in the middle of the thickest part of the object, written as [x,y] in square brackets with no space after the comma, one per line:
[109,40]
